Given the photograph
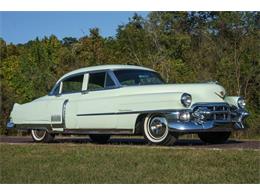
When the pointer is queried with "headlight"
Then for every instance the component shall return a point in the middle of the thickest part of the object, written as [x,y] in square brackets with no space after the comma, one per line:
[186,99]
[241,103]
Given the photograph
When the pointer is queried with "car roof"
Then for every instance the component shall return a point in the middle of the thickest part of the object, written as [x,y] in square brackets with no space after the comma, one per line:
[105,67]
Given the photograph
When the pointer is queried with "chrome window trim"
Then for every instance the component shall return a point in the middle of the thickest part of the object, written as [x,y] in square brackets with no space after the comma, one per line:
[85,82]
[114,78]
[164,82]
[61,82]
[61,88]
[109,71]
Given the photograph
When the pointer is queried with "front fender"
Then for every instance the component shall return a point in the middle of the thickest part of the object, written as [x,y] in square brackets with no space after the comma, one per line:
[232,100]
[147,102]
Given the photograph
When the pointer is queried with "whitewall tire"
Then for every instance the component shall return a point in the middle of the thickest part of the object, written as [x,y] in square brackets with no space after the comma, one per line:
[156,130]
[42,136]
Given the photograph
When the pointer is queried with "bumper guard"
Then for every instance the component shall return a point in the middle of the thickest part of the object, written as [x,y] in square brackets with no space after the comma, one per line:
[206,118]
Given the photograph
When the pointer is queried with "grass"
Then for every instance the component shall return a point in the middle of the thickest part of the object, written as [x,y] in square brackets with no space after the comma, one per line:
[89,163]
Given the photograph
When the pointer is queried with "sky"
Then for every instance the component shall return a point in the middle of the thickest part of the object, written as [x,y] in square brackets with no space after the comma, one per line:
[20,27]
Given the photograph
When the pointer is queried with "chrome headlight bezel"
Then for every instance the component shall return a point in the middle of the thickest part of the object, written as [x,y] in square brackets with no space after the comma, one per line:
[241,103]
[186,99]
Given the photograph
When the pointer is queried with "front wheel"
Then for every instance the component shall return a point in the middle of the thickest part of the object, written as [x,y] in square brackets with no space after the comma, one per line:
[214,137]
[100,139]
[156,130]
[42,136]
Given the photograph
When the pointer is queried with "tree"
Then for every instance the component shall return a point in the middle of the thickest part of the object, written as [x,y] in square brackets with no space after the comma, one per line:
[182,46]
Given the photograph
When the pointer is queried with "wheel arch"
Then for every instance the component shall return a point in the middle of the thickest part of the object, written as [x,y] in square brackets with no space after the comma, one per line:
[139,123]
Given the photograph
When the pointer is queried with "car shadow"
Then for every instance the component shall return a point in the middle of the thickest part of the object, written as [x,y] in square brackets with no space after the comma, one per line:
[138,141]
[141,141]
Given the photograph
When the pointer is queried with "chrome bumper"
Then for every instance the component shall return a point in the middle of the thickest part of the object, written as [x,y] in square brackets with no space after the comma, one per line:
[206,118]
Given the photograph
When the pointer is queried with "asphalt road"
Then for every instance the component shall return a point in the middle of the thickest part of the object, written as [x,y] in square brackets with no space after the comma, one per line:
[191,143]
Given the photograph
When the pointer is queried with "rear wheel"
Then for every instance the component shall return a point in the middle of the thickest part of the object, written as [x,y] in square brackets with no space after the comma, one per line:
[42,136]
[156,130]
[214,137]
[100,139]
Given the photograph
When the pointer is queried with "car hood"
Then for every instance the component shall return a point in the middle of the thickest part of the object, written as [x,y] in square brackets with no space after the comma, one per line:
[200,92]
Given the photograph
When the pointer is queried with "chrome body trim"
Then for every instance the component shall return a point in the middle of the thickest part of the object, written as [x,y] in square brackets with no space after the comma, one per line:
[26,127]
[130,112]
[64,112]
[55,118]
[98,131]
[47,127]
[240,116]
[208,117]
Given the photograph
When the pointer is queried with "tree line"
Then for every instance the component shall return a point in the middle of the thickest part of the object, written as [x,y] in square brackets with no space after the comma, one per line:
[182,46]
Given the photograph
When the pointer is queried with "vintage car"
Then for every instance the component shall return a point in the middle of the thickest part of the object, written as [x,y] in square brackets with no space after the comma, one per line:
[106,100]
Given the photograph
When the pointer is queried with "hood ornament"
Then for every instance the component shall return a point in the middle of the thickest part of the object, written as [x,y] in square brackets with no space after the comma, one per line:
[213,82]
[221,94]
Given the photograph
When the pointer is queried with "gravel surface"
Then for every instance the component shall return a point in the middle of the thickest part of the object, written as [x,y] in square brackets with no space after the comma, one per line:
[184,143]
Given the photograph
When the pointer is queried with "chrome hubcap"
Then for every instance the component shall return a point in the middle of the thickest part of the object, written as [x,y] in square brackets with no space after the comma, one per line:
[158,127]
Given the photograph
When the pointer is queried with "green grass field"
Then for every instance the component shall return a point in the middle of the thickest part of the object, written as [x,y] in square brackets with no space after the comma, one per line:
[89,163]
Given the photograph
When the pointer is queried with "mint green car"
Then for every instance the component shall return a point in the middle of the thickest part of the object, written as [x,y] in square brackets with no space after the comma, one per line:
[106,100]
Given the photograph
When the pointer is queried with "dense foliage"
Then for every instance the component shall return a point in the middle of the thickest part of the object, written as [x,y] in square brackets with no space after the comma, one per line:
[182,46]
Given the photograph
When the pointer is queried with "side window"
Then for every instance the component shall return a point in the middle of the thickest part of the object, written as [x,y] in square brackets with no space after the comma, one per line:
[72,84]
[98,81]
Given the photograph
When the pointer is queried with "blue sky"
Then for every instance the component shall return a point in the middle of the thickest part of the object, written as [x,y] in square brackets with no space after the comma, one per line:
[20,27]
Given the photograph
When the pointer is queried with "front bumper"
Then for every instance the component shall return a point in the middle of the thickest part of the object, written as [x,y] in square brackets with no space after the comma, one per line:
[207,118]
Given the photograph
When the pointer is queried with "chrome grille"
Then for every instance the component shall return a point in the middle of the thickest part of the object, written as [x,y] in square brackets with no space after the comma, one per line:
[217,112]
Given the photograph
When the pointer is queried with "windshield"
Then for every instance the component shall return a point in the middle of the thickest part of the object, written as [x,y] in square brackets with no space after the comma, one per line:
[131,77]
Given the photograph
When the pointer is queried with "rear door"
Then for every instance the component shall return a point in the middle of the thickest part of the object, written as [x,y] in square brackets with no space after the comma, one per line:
[67,93]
